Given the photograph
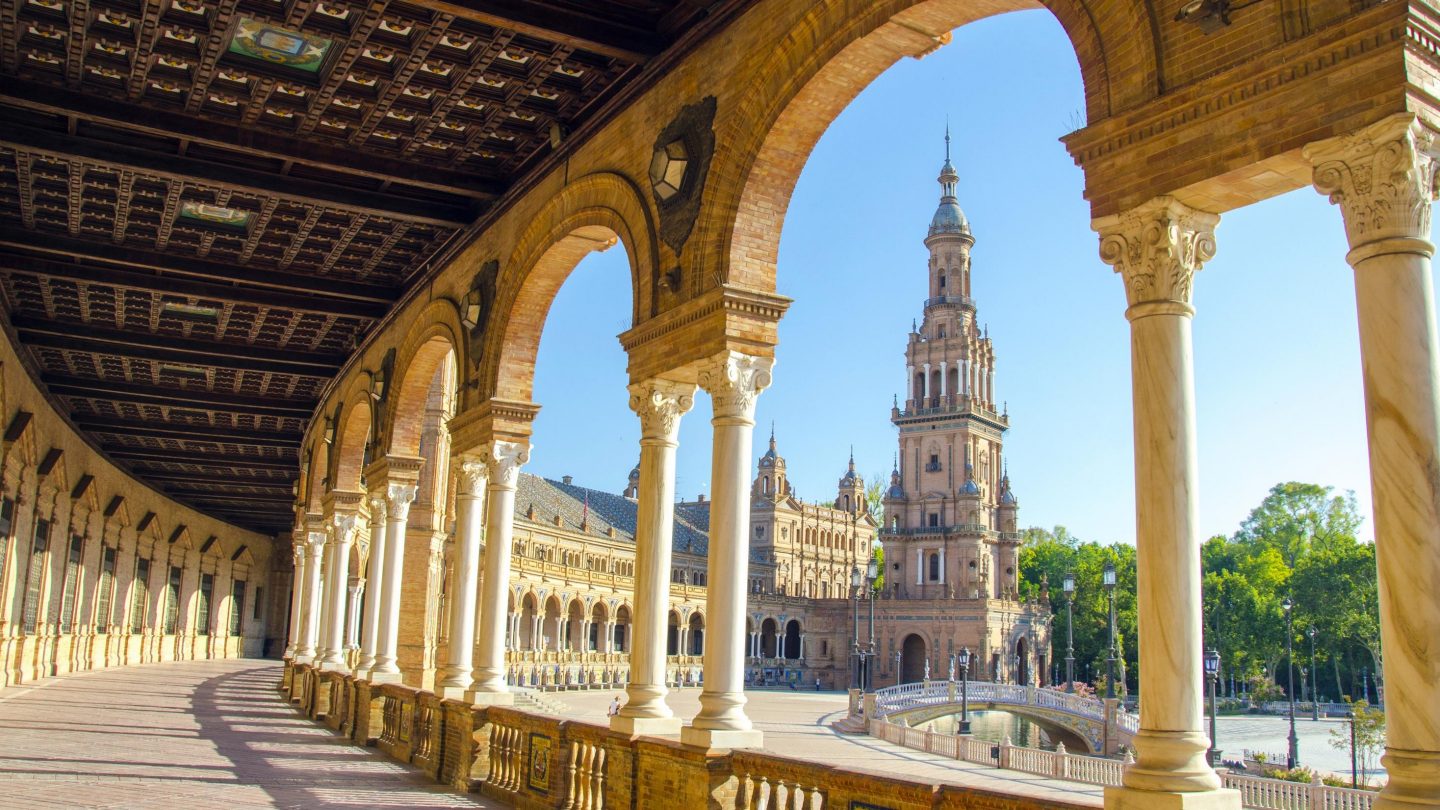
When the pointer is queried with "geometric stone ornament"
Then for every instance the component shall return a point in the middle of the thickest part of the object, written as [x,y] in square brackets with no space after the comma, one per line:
[677,170]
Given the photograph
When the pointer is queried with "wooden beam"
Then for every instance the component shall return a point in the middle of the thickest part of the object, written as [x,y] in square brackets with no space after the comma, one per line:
[67,248]
[164,349]
[130,454]
[211,497]
[597,32]
[193,433]
[64,148]
[226,480]
[65,386]
[150,120]
[91,272]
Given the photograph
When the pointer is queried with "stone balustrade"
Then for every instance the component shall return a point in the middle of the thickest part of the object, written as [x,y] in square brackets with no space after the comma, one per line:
[530,760]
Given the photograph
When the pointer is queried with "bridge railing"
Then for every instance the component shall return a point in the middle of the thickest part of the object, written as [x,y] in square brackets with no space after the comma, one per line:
[1256,793]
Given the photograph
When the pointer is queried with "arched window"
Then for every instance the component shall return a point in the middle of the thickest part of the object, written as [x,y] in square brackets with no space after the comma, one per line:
[765,485]
[942,283]
[934,567]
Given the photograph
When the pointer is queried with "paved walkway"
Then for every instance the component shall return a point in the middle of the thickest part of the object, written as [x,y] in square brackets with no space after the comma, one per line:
[797,724]
[195,734]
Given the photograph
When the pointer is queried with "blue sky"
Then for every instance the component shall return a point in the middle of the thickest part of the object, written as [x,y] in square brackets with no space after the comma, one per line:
[1277,356]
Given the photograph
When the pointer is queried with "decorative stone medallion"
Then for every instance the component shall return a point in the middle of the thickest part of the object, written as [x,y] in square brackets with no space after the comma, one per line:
[678,166]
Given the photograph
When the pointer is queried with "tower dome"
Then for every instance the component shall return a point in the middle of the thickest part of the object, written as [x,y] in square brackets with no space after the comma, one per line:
[949,219]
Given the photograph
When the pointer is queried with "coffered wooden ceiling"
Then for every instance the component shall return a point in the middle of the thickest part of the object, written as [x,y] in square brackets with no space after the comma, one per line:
[204,206]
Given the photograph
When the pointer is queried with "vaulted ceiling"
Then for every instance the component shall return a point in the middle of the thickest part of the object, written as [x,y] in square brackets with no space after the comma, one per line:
[205,206]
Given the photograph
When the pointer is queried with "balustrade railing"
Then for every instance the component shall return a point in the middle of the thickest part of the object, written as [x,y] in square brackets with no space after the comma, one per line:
[585,774]
[1276,794]
[506,743]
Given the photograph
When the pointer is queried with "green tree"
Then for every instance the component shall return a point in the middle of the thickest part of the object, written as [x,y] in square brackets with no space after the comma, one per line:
[1369,734]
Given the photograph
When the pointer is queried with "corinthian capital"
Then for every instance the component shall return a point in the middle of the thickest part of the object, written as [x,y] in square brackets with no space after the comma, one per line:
[316,543]
[345,529]
[378,504]
[504,460]
[1157,247]
[473,476]
[400,496]
[734,381]
[1382,177]
[660,404]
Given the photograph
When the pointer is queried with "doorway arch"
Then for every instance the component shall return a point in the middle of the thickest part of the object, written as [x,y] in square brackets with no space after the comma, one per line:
[912,659]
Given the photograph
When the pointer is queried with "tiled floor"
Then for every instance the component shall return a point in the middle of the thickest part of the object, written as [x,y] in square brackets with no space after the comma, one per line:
[191,735]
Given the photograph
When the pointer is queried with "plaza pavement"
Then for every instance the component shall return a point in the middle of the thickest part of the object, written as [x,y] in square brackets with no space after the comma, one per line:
[189,735]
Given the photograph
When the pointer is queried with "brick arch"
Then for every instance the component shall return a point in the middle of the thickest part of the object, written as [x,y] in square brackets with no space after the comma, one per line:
[586,214]
[835,51]
[351,435]
[420,356]
[319,465]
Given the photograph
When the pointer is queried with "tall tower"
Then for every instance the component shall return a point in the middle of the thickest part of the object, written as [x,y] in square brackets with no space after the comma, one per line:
[950,516]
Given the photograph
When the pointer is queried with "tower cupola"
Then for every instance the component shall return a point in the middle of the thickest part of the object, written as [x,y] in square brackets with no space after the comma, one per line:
[949,219]
[770,482]
[851,495]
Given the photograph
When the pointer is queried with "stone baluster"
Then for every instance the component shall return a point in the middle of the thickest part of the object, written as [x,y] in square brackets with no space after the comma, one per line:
[1157,248]
[1383,180]
[734,382]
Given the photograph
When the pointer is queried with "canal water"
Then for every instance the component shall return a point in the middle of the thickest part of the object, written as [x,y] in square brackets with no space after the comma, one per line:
[995,727]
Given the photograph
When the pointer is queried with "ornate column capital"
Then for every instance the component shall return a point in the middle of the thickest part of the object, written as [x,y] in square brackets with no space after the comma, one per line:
[734,381]
[474,474]
[399,497]
[344,528]
[1382,177]
[660,404]
[315,542]
[379,505]
[504,460]
[1157,247]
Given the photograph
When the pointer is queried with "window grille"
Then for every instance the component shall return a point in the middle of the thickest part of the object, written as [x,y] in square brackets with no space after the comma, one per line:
[106,592]
[237,605]
[7,525]
[259,600]
[68,590]
[207,587]
[140,598]
[172,602]
[39,548]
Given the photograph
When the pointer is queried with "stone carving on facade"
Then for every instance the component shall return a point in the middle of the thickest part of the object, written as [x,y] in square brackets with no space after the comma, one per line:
[1157,247]
[660,404]
[734,381]
[1383,178]
[474,474]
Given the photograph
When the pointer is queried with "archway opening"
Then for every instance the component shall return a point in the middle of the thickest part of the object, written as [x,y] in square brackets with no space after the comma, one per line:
[912,659]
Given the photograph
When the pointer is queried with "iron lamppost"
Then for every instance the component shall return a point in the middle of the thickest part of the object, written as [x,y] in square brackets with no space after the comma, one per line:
[964,690]
[1109,583]
[1314,681]
[1293,755]
[1068,584]
[1212,674]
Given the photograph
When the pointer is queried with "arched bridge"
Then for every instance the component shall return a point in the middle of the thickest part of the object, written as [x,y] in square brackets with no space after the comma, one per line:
[1075,717]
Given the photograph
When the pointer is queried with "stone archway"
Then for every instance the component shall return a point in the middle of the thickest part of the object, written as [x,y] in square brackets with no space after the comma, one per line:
[912,659]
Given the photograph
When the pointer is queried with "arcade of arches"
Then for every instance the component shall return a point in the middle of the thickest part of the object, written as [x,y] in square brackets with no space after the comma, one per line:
[425,425]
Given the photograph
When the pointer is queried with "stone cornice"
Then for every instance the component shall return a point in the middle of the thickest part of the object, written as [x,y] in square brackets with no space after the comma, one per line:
[492,420]
[339,501]
[726,317]
[399,468]
[1359,36]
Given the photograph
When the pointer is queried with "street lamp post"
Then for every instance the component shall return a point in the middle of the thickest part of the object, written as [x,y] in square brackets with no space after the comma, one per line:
[872,574]
[1354,771]
[855,627]
[1212,674]
[1314,681]
[1292,757]
[964,690]
[1109,583]
[1069,585]
[897,667]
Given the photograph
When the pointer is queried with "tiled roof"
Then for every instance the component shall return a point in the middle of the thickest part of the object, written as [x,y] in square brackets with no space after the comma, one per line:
[551,498]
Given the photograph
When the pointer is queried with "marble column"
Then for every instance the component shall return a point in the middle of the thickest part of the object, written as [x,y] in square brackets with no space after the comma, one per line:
[456,678]
[352,613]
[387,668]
[502,461]
[734,381]
[314,555]
[373,575]
[297,598]
[1157,248]
[659,404]
[1383,179]
[342,537]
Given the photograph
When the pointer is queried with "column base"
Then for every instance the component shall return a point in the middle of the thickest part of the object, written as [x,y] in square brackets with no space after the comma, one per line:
[333,667]
[451,692]
[712,738]
[1413,777]
[489,698]
[649,726]
[385,677]
[1123,798]
[301,658]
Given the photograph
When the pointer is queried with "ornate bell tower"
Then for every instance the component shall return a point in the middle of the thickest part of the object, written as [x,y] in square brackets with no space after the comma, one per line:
[947,532]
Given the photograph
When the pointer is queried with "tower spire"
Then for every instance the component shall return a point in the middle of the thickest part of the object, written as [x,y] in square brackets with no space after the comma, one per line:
[947,139]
